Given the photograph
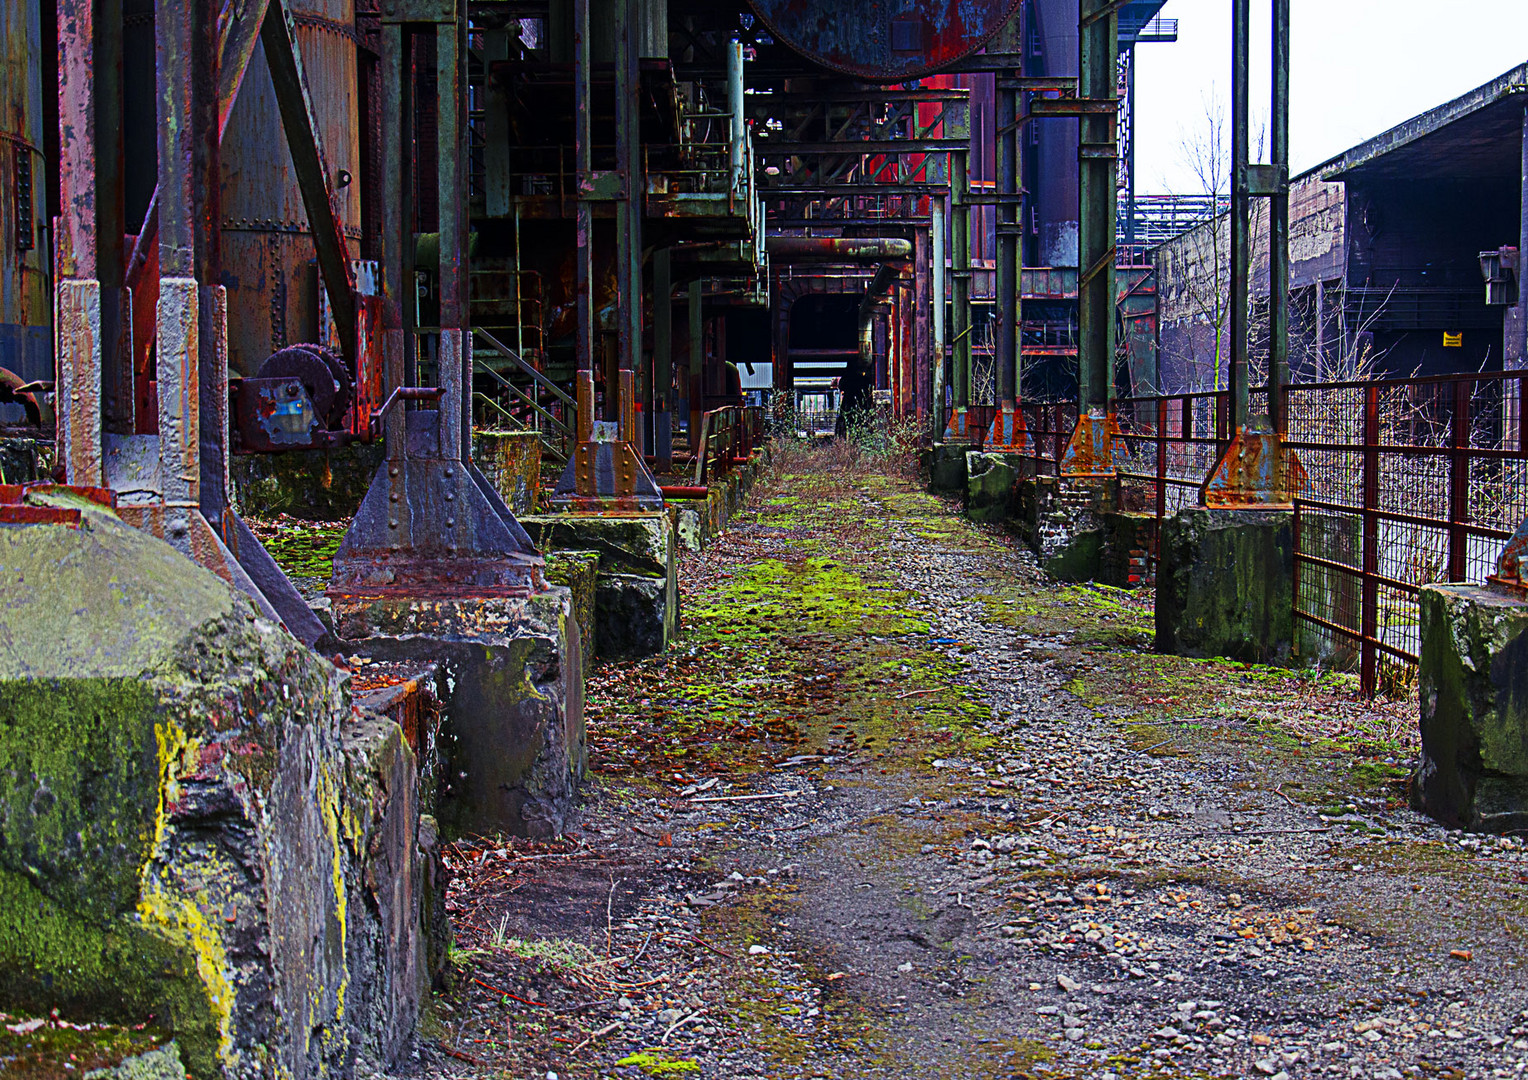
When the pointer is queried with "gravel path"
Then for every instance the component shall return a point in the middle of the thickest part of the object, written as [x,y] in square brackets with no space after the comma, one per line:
[898,806]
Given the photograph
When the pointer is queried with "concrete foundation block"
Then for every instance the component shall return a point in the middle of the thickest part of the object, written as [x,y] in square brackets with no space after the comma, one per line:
[578,572]
[945,464]
[1473,690]
[990,483]
[316,485]
[688,530]
[511,462]
[196,824]
[511,740]
[1225,584]
[637,595]
[634,616]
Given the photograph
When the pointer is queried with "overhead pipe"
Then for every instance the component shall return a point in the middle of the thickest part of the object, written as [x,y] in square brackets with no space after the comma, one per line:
[838,248]
[735,107]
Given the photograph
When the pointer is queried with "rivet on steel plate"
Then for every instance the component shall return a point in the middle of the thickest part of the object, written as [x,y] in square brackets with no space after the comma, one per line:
[392,524]
[392,472]
[450,523]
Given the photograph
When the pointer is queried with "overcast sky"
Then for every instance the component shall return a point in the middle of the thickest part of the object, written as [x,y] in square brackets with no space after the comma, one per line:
[1357,67]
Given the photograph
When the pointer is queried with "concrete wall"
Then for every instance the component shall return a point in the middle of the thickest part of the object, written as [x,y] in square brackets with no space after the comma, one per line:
[1193,283]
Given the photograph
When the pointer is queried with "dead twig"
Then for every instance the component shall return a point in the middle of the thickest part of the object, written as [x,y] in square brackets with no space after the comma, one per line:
[601,1033]
[609,900]
[505,993]
[706,945]
[677,1024]
[459,1056]
[915,693]
[746,798]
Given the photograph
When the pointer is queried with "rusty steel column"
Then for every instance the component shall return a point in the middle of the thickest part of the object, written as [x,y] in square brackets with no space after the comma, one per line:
[663,360]
[394,243]
[77,315]
[453,376]
[627,223]
[916,392]
[188,199]
[937,343]
[1091,449]
[1257,469]
[1007,253]
[1007,430]
[583,153]
[1278,222]
[960,313]
[1241,209]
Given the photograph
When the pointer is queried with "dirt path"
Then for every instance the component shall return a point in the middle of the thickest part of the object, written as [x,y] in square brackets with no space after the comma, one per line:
[898,806]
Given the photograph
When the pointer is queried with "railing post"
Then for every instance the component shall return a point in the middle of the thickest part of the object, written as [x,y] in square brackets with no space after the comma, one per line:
[1459,483]
[1369,619]
[1161,468]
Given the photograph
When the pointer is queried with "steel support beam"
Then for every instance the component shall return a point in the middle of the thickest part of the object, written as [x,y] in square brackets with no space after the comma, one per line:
[583,153]
[279,36]
[937,344]
[1090,453]
[1007,430]
[661,406]
[695,363]
[1257,469]
[960,315]
[1241,210]
[77,301]
[430,521]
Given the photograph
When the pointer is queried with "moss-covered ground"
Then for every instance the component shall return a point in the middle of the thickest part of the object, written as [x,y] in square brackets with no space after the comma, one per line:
[896,805]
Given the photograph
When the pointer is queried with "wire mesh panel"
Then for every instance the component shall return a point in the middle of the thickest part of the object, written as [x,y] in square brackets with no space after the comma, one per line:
[1409,482]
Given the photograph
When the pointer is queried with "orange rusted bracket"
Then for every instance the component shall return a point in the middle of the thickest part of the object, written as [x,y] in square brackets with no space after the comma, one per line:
[606,472]
[1512,568]
[1091,449]
[959,428]
[1008,433]
[1257,469]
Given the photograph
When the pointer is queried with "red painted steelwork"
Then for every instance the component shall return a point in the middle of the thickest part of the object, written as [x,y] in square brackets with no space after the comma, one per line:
[15,509]
[886,42]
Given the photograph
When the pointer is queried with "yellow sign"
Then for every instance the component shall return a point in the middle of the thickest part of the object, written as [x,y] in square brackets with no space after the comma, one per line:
[1453,341]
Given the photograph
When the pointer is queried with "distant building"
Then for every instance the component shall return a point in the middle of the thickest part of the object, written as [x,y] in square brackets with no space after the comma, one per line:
[1385,255]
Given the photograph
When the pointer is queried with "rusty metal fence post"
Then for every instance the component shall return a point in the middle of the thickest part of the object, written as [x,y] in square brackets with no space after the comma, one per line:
[1161,501]
[1369,619]
[1459,483]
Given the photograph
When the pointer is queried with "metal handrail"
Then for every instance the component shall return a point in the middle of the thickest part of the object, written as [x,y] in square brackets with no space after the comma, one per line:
[523,365]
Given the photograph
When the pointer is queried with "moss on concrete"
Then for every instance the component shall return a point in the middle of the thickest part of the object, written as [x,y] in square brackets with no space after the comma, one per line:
[511,462]
[319,485]
[1474,694]
[990,483]
[578,572]
[1225,584]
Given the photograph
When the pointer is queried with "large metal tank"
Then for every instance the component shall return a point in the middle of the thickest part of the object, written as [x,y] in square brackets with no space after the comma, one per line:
[889,41]
[268,261]
[26,338]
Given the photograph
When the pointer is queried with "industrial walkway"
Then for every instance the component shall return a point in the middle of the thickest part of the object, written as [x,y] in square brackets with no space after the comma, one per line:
[899,807]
